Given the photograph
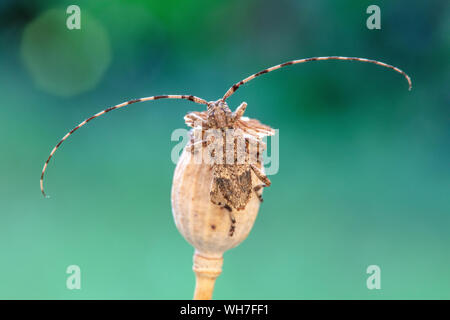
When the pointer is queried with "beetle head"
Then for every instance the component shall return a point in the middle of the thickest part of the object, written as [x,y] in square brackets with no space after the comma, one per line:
[219,115]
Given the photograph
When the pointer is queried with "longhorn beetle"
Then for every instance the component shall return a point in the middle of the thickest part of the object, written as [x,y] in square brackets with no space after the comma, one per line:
[231,185]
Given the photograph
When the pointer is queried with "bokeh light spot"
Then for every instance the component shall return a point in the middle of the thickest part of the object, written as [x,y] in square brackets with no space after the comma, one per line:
[61,61]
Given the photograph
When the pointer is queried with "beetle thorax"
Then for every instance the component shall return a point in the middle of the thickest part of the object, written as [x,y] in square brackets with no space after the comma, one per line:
[219,115]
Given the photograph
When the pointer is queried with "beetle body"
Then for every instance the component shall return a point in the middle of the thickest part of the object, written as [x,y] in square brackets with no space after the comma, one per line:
[235,149]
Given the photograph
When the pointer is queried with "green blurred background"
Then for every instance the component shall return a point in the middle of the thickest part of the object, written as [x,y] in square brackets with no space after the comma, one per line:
[364,163]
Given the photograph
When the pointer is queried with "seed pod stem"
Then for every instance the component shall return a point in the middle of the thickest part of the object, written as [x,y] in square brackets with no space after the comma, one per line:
[206,272]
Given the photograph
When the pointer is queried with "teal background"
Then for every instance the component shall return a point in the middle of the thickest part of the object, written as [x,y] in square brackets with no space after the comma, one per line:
[364,163]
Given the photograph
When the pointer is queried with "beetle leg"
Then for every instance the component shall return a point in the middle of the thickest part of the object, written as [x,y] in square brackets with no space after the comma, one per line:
[233,224]
[239,112]
[261,176]
[258,191]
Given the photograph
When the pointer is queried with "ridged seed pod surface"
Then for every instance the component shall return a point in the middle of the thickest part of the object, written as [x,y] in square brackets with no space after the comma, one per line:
[203,224]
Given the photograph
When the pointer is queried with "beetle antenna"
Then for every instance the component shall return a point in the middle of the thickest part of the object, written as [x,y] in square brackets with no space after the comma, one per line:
[187,97]
[253,76]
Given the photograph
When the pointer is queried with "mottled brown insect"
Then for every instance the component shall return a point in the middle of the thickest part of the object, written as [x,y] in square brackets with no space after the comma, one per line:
[234,151]
[232,185]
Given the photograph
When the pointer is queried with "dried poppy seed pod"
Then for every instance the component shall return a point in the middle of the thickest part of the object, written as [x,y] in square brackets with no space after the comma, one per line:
[204,225]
